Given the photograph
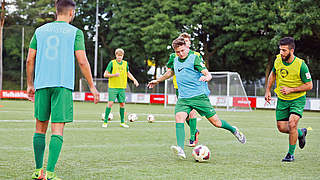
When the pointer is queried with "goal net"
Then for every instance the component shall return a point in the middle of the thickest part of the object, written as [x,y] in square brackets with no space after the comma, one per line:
[226,92]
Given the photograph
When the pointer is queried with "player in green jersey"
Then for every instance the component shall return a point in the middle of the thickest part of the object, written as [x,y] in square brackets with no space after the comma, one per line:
[192,77]
[293,80]
[118,73]
[192,118]
[50,79]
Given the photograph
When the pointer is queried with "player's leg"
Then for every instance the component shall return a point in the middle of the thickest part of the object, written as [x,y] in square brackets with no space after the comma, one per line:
[181,113]
[55,146]
[203,106]
[112,95]
[296,110]
[194,132]
[42,114]
[61,113]
[122,99]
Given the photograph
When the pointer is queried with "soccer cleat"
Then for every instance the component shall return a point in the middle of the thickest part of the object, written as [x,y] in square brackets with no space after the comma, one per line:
[124,125]
[289,158]
[178,151]
[51,176]
[105,125]
[195,142]
[38,174]
[302,139]
[239,135]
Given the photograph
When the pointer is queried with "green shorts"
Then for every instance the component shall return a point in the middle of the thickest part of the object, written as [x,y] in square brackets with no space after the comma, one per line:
[56,101]
[200,103]
[117,93]
[285,108]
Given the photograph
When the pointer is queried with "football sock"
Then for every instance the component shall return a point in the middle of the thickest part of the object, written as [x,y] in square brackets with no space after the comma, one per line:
[180,134]
[107,114]
[54,151]
[227,126]
[39,145]
[122,115]
[291,149]
[300,133]
[193,126]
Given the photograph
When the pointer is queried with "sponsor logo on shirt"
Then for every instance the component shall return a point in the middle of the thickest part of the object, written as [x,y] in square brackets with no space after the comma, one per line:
[308,76]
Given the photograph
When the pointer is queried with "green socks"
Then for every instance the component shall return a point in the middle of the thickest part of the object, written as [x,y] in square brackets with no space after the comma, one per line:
[193,126]
[180,134]
[291,149]
[54,151]
[39,145]
[122,115]
[300,133]
[107,114]
[227,126]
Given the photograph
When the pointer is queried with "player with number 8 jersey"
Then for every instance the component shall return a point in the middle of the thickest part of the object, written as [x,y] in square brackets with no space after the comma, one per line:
[50,79]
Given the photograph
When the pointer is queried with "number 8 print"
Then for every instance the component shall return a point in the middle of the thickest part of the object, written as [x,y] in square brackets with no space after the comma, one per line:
[52,47]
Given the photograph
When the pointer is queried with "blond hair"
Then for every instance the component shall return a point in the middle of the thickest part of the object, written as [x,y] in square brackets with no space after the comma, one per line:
[119,50]
[185,35]
[178,42]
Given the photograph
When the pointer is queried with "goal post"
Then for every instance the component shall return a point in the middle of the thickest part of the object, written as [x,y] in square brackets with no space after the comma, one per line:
[226,91]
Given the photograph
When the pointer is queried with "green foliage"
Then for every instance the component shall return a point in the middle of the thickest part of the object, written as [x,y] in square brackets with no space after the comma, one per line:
[232,35]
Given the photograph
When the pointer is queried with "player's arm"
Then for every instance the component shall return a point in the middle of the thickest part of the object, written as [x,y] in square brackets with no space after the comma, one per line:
[107,73]
[80,53]
[130,76]
[86,71]
[30,72]
[165,76]
[206,75]
[304,87]
[200,66]
[306,79]
[271,79]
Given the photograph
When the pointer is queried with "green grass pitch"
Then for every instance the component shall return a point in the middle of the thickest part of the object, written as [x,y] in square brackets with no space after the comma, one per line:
[143,150]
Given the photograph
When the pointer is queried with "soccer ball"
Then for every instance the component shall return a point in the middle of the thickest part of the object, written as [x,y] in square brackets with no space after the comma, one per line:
[201,153]
[110,117]
[150,118]
[132,117]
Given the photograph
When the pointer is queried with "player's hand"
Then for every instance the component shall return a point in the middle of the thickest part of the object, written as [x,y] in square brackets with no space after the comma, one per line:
[136,83]
[152,83]
[285,90]
[267,96]
[30,92]
[204,79]
[116,75]
[95,94]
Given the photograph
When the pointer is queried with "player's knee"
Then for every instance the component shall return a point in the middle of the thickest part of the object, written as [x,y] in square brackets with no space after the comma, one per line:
[122,105]
[292,126]
[282,129]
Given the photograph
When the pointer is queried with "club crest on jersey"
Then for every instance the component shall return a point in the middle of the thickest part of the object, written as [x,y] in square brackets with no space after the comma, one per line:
[284,73]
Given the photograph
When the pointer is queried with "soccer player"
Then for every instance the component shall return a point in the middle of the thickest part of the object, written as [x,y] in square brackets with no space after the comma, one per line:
[293,80]
[191,120]
[118,72]
[192,77]
[51,57]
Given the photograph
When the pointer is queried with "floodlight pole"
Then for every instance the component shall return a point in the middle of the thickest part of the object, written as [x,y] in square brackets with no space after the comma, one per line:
[96,42]
[22,58]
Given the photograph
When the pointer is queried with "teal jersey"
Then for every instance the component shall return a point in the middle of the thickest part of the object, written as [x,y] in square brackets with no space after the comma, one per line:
[188,75]
[55,61]
[78,44]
